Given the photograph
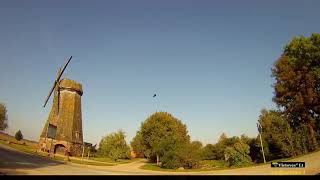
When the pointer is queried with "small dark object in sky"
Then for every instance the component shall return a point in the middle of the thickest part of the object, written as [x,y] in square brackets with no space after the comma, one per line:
[154,95]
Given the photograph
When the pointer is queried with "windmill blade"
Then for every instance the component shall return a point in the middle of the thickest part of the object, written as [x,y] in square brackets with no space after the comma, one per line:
[54,85]
[64,67]
[56,81]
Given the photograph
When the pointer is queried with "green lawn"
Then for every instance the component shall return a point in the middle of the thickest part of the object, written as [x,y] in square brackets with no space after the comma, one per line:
[209,165]
[32,150]
[109,160]
[155,167]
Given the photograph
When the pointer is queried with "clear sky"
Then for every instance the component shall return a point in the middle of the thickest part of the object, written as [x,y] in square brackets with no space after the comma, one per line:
[208,61]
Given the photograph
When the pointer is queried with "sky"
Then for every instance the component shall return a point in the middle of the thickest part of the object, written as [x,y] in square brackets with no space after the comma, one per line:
[208,61]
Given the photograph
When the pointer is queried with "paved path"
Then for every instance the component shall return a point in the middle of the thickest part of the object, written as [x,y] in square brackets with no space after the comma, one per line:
[15,162]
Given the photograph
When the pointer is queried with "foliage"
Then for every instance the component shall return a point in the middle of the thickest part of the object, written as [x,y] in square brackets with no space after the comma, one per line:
[89,150]
[276,132]
[171,160]
[114,146]
[297,86]
[223,143]
[302,142]
[18,136]
[255,147]
[191,155]
[209,152]
[160,133]
[3,117]
[137,144]
[182,155]
[238,154]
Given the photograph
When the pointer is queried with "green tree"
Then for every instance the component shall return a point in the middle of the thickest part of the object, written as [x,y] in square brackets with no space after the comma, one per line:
[18,136]
[137,143]
[277,133]
[297,85]
[238,154]
[191,155]
[3,117]
[223,143]
[114,146]
[186,155]
[209,152]
[161,133]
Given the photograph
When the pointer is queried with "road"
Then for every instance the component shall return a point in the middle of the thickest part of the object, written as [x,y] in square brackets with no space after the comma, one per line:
[13,162]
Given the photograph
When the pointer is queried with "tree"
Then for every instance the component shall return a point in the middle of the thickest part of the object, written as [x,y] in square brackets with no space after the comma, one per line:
[238,154]
[297,85]
[223,143]
[191,155]
[114,146]
[161,133]
[209,152]
[137,144]
[3,117]
[277,133]
[186,155]
[18,136]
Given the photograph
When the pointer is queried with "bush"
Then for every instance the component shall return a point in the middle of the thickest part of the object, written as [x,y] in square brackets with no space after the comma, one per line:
[191,164]
[18,136]
[171,160]
[186,156]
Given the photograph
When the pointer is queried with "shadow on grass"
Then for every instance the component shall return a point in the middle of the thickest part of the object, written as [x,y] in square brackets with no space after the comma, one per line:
[15,160]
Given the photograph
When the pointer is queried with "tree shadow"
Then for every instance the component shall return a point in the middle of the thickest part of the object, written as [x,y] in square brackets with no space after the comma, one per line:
[12,161]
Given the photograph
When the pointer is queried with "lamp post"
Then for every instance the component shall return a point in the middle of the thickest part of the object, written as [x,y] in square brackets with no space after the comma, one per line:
[260,131]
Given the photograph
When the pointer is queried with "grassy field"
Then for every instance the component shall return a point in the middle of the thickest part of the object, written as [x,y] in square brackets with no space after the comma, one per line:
[210,165]
[206,165]
[31,148]
[6,137]
[120,161]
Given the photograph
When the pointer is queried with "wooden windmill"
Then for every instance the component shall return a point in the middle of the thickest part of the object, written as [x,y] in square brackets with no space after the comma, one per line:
[62,132]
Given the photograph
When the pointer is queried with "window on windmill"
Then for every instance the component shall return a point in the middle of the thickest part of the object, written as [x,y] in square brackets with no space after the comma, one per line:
[52,131]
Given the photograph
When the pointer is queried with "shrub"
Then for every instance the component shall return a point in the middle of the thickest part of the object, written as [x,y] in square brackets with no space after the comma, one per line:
[18,136]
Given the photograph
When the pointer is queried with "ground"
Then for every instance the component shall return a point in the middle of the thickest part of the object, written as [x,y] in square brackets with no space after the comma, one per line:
[16,162]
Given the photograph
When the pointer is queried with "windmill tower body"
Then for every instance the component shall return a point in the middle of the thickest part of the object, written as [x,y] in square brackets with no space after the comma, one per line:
[64,133]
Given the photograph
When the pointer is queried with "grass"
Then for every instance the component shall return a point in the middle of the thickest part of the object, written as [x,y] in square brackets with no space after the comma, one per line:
[20,147]
[216,164]
[210,165]
[32,150]
[109,160]
[155,167]
[10,138]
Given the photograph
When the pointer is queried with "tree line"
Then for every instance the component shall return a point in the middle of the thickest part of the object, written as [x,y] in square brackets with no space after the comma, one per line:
[292,129]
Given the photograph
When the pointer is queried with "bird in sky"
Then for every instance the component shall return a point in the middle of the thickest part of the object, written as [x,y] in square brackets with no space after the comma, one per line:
[154,95]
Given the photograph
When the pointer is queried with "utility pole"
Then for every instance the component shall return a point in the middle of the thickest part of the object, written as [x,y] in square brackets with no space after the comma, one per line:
[260,131]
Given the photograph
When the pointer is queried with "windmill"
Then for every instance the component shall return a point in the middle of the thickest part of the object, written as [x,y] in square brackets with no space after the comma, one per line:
[62,132]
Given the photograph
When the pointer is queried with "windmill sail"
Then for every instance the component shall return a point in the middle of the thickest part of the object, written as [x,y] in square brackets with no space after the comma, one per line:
[56,81]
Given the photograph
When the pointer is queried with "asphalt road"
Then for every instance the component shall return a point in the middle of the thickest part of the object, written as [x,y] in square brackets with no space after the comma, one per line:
[13,162]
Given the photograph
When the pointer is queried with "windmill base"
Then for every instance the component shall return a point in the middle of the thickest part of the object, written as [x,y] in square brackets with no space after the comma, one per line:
[59,147]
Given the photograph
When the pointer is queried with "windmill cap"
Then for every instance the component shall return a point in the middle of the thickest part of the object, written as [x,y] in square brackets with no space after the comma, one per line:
[72,85]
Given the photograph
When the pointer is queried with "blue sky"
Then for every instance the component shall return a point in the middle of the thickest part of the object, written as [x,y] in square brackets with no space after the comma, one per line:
[208,61]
